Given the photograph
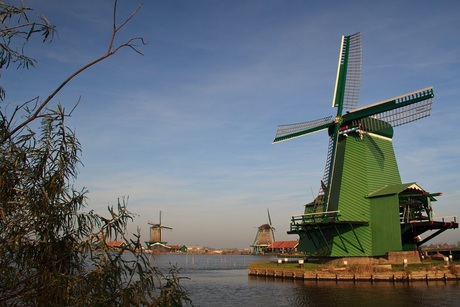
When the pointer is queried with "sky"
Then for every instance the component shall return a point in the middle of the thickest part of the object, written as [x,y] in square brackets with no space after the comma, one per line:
[187,127]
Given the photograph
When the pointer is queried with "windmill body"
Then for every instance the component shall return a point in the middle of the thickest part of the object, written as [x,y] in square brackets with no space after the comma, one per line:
[156,230]
[363,208]
[265,236]
[349,228]
[155,233]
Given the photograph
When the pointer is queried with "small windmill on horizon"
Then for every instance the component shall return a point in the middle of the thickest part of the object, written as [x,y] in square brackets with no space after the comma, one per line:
[265,236]
[156,230]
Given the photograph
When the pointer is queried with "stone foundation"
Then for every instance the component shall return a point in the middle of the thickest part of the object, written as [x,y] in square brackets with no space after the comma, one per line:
[401,276]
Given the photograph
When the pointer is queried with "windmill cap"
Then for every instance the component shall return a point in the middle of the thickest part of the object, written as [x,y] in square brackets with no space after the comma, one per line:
[368,124]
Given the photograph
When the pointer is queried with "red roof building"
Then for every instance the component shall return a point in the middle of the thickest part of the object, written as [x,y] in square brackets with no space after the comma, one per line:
[283,246]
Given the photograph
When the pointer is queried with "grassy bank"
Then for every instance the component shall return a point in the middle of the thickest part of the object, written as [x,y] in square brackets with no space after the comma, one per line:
[427,265]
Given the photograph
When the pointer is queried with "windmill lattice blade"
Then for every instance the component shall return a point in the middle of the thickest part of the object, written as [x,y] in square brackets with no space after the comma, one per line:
[398,110]
[348,81]
[325,181]
[407,114]
[290,131]
[354,69]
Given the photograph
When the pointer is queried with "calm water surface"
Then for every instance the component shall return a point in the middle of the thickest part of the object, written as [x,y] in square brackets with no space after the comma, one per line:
[222,280]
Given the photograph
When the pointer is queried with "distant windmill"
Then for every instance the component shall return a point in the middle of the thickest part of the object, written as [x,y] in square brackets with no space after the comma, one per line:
[155,232]
[265,236]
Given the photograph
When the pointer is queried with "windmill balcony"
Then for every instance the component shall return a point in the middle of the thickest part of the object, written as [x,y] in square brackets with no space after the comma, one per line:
[443,219]
[297,221]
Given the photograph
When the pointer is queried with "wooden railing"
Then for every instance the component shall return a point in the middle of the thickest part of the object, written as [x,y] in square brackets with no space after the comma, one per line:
[312,218]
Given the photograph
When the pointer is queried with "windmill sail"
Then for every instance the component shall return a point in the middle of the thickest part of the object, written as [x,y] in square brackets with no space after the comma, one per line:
[286,132]
[348,81]
[271,226]
[396,111]
[346,93]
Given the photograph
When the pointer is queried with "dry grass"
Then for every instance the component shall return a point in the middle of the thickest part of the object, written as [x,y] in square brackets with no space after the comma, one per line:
[453,269]
[361,268]
[358,268]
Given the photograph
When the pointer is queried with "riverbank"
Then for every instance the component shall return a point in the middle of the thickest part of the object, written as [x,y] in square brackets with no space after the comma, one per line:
[430,271]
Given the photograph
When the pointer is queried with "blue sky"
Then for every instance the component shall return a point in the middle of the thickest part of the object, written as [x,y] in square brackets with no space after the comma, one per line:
[188,127]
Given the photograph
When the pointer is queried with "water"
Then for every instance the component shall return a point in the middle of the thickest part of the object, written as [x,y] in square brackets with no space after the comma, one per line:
[222,280]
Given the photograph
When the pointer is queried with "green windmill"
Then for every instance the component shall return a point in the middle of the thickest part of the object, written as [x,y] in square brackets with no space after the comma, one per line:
[363,208]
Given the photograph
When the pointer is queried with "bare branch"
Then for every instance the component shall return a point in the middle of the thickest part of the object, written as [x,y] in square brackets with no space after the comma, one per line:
[115,28]
[110,51]
[129,17]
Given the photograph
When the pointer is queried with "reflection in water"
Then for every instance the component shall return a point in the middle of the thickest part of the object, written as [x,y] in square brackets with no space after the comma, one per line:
[349,293]
[222,280]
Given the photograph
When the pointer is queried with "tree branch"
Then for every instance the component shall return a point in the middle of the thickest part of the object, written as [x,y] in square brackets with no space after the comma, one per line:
[110,51]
